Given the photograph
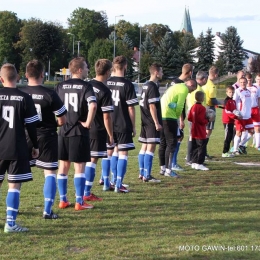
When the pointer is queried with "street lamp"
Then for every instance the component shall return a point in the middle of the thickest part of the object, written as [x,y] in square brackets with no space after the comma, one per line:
[73,42]
[78,47]
[115,34]
[140,42]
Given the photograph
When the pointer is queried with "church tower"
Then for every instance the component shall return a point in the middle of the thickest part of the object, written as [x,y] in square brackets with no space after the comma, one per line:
[186,23]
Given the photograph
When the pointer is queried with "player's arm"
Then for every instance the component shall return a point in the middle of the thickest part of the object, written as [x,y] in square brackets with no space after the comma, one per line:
[153,112]
[131,111]
[180,104]
[108,122]
[92,108]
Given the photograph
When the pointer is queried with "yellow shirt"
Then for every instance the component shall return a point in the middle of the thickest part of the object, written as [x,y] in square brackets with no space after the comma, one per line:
[210,91]
[190,100]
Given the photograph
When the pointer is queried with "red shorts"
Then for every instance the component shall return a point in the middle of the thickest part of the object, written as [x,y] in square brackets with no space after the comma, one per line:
[244,124]
[255,115]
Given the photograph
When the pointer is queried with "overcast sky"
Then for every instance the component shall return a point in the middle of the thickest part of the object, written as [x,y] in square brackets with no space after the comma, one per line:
[215,14]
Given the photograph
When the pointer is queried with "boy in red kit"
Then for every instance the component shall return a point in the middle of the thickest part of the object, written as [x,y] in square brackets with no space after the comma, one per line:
[228,119]
[197,116]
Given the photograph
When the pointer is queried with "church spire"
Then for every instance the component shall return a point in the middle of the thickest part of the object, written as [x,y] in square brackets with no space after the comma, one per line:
[186,22]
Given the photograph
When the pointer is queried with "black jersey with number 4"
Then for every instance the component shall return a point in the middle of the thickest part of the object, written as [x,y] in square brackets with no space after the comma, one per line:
[150,95]
[16,111]
[76,94]
[124,96]
[104,105]
[48,105]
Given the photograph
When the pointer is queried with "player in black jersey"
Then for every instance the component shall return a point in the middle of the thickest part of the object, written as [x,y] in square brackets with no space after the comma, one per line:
[151,122]
[17,111]
[101,128]
[73,138]
[48,106]
[124,100]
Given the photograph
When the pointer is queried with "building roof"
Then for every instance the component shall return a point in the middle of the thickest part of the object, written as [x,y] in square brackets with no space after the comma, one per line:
[186,22]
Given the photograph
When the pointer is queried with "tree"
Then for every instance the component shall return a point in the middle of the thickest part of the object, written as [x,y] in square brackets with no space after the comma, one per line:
[10,27]
[166,55]
[254,64]
[147,45]
[87,26]
[232,52]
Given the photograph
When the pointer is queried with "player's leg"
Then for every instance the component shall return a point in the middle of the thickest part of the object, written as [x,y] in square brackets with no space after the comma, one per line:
[142,139]
[175,165]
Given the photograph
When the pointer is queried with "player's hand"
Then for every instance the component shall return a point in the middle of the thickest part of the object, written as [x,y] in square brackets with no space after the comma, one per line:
[134,132]
[85,124]
[110,140]
[182,125]
[158,127]
[239,117]
[35,153]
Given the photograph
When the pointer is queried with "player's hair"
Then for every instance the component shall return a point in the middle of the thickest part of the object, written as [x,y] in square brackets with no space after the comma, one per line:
[239,73]
[34,69]
[213,70]
[243,78]
[248,75]
[76,64]
[155,67]
[202,75]
[119,62]
[258,74]
[102,66]
[230,87]
[187,68]
[8,72]
[199,95]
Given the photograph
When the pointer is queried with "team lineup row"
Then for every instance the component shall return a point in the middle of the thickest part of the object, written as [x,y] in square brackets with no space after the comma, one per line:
[96,119]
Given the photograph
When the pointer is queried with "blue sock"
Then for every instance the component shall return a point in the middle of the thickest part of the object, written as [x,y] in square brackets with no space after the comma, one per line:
[106,170]
[49,191]
[62,180]
[141,162]
[174,159]
[79,183]
[121,170]
[12,204]
[90,172]
[113,165]
[148,162]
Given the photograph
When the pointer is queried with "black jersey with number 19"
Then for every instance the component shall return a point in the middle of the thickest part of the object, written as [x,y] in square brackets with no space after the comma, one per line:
[124,96]
[76,94]
[16,110]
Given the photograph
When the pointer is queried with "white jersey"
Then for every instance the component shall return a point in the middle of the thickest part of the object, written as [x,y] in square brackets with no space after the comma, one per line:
[243,101]
[255,95]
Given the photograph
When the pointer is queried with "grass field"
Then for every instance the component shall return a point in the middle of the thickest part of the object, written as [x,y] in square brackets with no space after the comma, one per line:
[203,215]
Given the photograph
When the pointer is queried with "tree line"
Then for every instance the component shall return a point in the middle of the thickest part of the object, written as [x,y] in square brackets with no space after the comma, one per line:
[88,31]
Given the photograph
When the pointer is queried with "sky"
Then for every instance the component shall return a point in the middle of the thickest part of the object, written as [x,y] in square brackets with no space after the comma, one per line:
[217,15]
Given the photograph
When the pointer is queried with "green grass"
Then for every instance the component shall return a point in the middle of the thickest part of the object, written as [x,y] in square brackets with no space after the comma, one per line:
[201,210]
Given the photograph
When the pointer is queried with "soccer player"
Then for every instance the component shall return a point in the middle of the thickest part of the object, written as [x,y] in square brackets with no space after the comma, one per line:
[73,138]
[210,91]
[124,101]
[17,111]
[201,78]
[197,116]
[255,113]
[101,128]
[172,103]
[49,107]
[151,122]
[242,97]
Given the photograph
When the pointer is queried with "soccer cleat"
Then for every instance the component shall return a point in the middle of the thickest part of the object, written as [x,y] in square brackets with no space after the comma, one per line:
[64,204]
[15,229]
[151,179]
[201,167]
[172,174]
[227,155]
[242,149]
[92,197]
[188,163]
[121,189]
[194,165]
[101,182]
[140,177]
[50,216]
[162,172]
[83,206]
[177,167]
[208,157]
[236,153]
[125,185]
[231,149]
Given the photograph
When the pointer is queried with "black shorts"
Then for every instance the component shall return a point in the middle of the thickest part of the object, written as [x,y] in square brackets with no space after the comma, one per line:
[98,147]
[18,171]
[210,125]
[149,135]
[74,148]
[124,141]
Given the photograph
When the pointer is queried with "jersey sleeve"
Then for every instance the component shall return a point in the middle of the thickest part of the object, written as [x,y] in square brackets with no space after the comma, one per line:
[180,104]
[31,115]
[107,103]
[131,98]
[152,96]
[57,105]
[89,94]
